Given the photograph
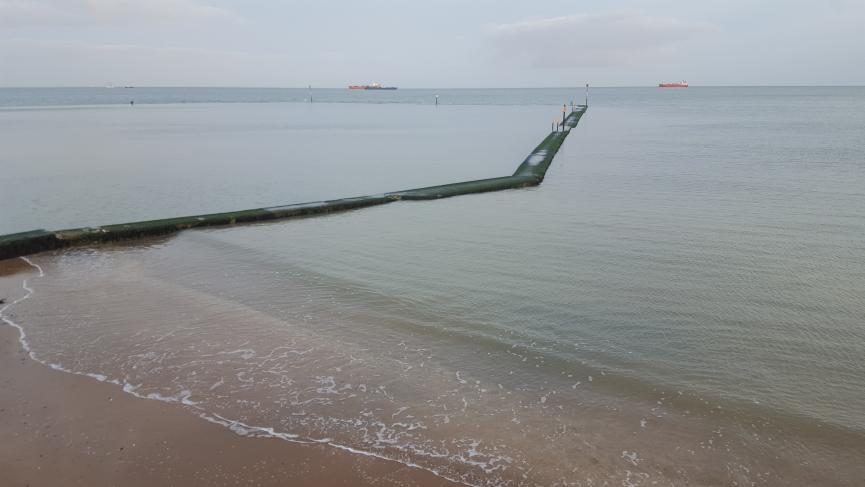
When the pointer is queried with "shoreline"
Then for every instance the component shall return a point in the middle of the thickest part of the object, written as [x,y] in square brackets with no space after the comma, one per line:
[93,418]
[60,428]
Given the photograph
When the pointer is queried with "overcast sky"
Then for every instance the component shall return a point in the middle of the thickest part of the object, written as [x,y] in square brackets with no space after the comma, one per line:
[429,43]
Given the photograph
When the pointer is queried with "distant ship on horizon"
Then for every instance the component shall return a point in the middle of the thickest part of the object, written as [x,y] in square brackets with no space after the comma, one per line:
[676,84]
[373,86]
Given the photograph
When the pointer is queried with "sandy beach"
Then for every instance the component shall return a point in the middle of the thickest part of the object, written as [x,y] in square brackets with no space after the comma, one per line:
[61,429]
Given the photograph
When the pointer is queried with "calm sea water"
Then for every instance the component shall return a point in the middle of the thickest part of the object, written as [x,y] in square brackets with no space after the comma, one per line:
[680,302]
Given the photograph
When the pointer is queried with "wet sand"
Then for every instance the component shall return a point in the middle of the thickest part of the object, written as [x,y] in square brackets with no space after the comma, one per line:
[61,429]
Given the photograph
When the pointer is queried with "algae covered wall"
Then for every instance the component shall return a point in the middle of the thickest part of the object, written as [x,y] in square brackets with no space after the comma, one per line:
[530,173]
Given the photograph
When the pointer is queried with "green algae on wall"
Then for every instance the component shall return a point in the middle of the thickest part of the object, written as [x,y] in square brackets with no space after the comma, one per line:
[530,173]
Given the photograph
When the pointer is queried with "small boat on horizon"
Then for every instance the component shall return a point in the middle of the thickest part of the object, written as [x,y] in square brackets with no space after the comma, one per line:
[374,86]
[676,84]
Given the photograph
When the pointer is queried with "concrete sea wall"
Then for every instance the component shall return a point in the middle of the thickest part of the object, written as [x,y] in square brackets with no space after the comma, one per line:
[530,173]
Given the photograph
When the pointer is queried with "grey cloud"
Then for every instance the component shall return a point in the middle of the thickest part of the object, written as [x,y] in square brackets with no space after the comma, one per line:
[155,9]
[98,64]
[24,13]
[598,39]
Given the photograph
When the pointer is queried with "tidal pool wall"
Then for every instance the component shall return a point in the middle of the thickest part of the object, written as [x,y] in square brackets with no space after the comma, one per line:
[530,173]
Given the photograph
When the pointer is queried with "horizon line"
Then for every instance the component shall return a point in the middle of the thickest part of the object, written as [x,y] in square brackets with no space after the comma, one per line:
[580,86]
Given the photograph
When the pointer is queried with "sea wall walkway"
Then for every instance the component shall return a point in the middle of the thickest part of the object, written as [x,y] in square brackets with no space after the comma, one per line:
[530,173]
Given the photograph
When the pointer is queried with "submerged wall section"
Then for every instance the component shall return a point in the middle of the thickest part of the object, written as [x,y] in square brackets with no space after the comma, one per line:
[530,173]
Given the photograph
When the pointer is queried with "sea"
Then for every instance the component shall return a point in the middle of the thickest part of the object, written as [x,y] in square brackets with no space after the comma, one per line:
[681,302]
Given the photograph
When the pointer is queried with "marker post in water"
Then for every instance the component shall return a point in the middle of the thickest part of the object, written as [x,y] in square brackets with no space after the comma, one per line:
[437,100]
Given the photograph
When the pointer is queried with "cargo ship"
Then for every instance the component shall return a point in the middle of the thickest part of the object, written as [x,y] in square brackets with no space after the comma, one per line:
[374,86]
[678,84]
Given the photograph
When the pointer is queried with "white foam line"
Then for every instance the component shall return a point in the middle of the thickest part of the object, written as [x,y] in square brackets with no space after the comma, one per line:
[244,429]
[22,336]
[237,427]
